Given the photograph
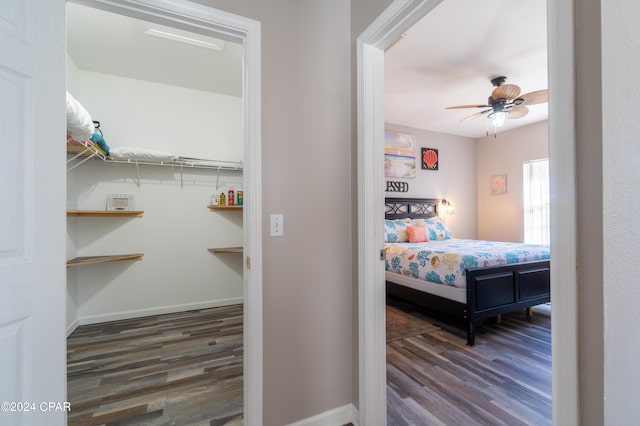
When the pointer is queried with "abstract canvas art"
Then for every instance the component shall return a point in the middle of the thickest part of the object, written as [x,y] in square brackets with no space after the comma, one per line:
[399,155]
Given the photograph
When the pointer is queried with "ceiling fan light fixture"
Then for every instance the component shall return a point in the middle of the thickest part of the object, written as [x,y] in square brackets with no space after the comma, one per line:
[498,118]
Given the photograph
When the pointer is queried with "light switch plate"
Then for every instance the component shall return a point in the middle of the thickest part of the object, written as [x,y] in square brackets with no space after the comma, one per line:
[277,225]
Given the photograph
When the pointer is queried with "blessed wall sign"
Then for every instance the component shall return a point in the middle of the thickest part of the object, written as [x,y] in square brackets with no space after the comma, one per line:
[397,186]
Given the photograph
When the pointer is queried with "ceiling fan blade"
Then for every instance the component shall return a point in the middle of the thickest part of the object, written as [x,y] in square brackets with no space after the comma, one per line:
[518,111]
[476,115]
[537,97]
[506,91]
[468,106]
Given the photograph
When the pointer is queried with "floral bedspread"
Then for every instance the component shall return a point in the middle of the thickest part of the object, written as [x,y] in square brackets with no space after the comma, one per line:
[446,261]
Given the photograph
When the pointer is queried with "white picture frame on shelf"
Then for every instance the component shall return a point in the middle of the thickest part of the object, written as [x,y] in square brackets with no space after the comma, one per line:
[119,202]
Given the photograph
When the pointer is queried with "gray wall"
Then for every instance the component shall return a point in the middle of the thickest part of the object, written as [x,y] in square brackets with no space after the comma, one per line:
[590,227]
[307,176]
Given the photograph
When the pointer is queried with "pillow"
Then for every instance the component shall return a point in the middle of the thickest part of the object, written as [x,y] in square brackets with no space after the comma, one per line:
[141,154]
[79,123]
[436,229]
[417,234]
[395,231]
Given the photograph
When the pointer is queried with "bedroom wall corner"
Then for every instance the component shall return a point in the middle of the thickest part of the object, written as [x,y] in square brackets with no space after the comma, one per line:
[501,217]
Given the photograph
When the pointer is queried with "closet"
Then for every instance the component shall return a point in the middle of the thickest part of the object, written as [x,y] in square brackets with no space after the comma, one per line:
[168,250]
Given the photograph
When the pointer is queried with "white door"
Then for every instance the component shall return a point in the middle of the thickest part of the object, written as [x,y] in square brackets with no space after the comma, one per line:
[32,211]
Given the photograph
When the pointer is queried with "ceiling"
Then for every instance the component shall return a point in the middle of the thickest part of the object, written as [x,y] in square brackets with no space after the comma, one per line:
[446,59]
[450,56]
[114,44]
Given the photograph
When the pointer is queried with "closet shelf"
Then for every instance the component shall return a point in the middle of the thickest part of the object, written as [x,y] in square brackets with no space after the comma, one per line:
[219,250]
[104,213]
[89,260]
[213,208]
[79,152]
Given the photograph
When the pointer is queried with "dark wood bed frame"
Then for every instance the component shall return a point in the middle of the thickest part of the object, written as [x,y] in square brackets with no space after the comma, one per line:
[491,291]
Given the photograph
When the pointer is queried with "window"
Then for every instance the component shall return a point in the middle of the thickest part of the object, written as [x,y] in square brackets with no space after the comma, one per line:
[536,201]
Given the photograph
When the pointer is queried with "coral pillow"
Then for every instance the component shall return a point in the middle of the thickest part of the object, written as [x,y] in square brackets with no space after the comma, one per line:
[417,234]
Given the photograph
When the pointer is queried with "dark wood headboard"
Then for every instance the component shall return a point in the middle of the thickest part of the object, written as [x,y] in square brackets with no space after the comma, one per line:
[413,208]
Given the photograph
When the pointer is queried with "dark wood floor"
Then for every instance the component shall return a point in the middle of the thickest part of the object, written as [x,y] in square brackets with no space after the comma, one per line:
[186,369]
[174,369]
[433,378]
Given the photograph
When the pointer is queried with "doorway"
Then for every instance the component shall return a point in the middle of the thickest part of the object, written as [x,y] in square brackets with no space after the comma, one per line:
[187,16]
[387,28]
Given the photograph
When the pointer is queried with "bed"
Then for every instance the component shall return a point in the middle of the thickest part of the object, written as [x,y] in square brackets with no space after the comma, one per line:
[467,279]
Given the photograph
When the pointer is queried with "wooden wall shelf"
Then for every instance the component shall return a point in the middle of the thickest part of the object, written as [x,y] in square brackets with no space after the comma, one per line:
[104,213]
[90,260]
[213,208]
[227,250]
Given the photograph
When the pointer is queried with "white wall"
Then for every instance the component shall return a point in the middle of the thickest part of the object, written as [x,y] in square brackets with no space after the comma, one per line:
[501,217]
[621,204]
[455,179]
[177,271]
[181,121]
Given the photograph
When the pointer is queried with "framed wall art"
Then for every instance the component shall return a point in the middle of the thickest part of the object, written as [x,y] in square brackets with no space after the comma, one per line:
[498,184]
[399,155]
[430,159]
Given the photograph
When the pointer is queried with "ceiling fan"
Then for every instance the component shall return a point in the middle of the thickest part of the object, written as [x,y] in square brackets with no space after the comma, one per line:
[505,102]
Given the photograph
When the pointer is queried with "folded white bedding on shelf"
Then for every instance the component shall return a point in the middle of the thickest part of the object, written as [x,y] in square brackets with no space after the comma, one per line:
[79,123]
[143,155]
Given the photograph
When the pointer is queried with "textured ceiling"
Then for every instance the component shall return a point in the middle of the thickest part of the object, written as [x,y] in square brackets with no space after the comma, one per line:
[109,43]
[450,56]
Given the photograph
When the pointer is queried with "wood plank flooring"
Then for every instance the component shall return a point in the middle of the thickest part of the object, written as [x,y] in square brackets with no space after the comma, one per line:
[434,378]
[175,369]
[186,369]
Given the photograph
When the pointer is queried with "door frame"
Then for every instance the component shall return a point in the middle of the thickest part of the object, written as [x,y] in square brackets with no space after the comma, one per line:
[387,28]
[199,18]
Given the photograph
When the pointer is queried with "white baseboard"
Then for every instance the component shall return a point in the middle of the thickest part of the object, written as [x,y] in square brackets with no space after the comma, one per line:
[137,313]
[72,327]
[337,417]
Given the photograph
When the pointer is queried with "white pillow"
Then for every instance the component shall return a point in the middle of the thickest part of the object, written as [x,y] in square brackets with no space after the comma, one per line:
[79,124]
[140,154]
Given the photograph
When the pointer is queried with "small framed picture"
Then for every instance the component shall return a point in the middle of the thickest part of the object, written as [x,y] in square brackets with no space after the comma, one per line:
[430,159]
[498,184]
[119,202]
